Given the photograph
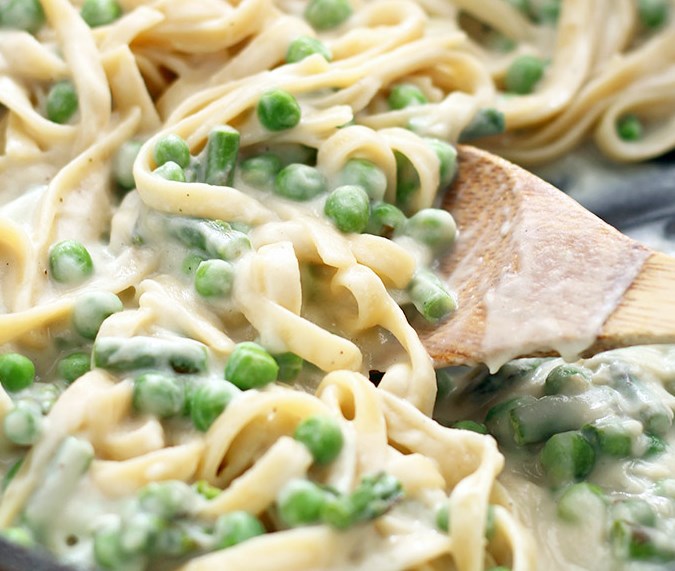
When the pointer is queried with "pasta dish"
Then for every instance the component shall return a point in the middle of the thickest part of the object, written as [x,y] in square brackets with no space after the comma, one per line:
[217,219]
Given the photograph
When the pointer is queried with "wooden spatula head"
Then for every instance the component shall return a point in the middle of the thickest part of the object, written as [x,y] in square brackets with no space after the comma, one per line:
[535,273]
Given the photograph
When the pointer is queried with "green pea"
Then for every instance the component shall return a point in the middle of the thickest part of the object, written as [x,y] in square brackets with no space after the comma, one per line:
[214,278]
[443,518]
[250,366]
[305,46]
[73,366]
[523,74]
[18,536]
[338,512]
[300,502]
[26,15]
[581,501]
[23,424]
[367,175]
[485,123]
[172,148]
[629,128]
[322,436]
[653,13]
[123,164]
[100,12]
[167,500]
[278,110]
[209,401]
[349,208]
[447,160]
[385,220]
[236,527]
[206,490]
[431,226]
[566,457]
[62,102]
[92,309]
[327,14]
[171,171]
[566,380]
[430,296]
[17,372]
[158,393]
[70,262]
[260,171]
[471,425]
[290,366]
[406,95]
[299,182]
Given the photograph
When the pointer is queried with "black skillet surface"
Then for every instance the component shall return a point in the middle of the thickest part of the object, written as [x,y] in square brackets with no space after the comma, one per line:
[639,200]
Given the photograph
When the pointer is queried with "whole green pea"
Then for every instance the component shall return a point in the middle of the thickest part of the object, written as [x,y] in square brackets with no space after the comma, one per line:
[250,366]
[278,110]
[367,175]
[26,15]
[300,502]
[172,148]
[70,262]
[100,12]
[62,102]
[92,309]
[236,527]
[322,436]
[17,372]
[214,278]
[406,95]
[73,366]
[23,424]
[208,401]
[260,171]
[159,394]
[305,46]
[299,182]
[327,14]
[523,74]
[349,208]
[171,171]
[432,226]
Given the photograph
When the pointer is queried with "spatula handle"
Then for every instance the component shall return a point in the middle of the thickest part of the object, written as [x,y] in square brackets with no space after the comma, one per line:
[646,313]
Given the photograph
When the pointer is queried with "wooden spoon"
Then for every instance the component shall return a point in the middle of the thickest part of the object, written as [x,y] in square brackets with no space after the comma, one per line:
[537,274]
